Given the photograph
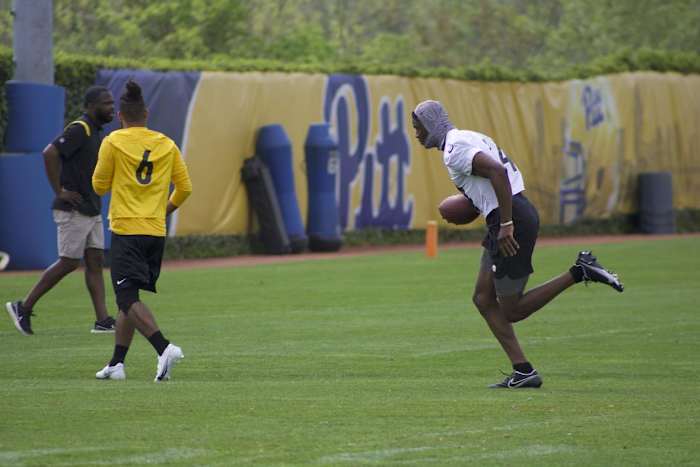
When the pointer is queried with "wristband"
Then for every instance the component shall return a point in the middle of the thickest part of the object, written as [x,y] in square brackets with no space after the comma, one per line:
[506,224]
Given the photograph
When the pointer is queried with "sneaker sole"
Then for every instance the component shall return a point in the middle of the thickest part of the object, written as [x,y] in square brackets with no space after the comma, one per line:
[110,377]
[10,311]
[102,331]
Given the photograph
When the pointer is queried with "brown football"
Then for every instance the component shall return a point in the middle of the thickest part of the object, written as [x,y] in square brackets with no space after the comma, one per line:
[458,209]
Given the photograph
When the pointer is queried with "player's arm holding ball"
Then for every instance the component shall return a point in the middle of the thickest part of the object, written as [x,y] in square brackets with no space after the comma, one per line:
[486,167]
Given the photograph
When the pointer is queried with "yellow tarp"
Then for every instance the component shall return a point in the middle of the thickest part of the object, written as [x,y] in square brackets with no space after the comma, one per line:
[580,144]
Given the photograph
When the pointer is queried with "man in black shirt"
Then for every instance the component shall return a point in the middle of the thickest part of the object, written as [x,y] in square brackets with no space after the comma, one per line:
[70,161]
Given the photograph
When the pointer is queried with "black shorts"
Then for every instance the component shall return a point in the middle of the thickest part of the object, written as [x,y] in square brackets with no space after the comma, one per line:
[135,261]
[527,225]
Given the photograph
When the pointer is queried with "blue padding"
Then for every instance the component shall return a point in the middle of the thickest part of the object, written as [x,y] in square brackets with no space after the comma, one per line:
[167,96]
[321,170]
[27,230]
[275,149]
[35,115]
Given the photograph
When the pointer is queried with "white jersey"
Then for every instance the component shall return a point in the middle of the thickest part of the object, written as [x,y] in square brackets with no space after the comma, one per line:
[460,148]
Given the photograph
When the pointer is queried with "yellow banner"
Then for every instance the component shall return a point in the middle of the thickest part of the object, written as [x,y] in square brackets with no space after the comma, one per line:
[579,144]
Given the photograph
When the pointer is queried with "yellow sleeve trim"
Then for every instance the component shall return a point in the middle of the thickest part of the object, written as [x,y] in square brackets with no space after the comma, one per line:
[84,124]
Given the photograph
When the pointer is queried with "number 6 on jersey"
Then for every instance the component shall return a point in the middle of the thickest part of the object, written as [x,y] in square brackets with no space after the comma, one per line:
[147,166]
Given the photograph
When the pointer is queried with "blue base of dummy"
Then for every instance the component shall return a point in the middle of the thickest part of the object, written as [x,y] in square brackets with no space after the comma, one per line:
[27,230]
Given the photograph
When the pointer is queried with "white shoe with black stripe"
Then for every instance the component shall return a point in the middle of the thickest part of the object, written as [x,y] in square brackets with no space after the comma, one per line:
[167,360]
[112,372]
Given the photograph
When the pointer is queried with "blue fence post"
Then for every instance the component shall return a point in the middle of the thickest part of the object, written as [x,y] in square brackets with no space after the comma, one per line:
[35,118]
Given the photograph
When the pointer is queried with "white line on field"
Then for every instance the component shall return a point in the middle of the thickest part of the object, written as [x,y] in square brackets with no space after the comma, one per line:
[369,456]
[164,456]
[15,456]
[528,451]
[532,451]
[536,450]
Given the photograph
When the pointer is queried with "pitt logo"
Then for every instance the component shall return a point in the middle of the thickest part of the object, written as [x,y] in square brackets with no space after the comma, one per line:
[387,157]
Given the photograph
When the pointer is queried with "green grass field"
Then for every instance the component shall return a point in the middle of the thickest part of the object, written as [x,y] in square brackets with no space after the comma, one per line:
[375,360]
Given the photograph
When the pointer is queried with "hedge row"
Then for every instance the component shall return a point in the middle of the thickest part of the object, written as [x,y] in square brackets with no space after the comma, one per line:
[209,246]
[6,70]
[76,73]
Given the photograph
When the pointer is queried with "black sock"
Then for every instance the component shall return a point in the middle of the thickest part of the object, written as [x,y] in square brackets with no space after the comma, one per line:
[119,354]
[577,272]
[159,342]
[524,367]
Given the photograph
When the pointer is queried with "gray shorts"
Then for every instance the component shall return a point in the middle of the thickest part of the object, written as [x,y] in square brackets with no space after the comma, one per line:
[77,232]
[504,286]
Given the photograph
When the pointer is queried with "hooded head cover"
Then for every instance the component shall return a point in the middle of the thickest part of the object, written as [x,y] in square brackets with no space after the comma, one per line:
[433,116]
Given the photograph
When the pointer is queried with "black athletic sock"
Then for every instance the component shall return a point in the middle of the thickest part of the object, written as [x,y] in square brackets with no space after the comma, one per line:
[159,342]
[577,272]
[119,354]
[524,367]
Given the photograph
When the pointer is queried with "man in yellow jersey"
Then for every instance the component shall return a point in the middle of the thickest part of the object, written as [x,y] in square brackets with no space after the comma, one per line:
[138,165]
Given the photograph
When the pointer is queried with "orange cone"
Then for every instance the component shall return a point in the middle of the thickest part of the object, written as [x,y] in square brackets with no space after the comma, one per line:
[431,239]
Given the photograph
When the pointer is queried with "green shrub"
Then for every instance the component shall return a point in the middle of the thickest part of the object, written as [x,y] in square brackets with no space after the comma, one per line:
[6,71]
[208,246]
[75,73]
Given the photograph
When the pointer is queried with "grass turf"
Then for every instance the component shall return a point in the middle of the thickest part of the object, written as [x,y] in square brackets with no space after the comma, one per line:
[378,360]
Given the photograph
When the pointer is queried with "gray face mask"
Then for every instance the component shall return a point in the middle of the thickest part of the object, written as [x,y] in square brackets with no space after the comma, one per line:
[433,116]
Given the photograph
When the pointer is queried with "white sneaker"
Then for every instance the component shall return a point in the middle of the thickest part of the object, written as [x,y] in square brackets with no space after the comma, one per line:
[112,372]
[171,355]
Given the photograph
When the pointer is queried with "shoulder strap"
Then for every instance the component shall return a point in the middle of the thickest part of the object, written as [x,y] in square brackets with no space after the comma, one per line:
[84,124]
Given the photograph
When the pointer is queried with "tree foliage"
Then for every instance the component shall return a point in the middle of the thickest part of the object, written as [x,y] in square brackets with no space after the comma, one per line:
[540,35]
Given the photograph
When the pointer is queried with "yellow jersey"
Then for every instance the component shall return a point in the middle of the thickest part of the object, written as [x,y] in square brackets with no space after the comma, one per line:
[138,165]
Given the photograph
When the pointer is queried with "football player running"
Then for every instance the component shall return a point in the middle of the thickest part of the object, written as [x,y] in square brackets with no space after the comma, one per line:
[490,179]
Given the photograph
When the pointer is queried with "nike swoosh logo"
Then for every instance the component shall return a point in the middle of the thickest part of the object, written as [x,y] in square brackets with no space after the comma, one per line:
[121,281]
[512,384]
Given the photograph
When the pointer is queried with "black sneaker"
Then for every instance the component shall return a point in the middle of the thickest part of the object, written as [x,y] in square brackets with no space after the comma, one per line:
[517,380]
[106,325]
[21,317]
[593,271]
